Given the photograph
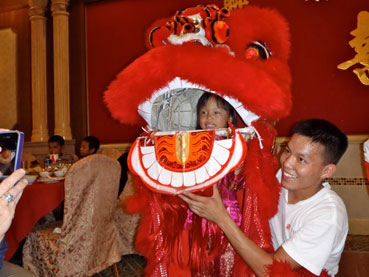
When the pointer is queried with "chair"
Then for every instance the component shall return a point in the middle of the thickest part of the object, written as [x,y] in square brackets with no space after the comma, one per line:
[27,159]
[89,240]
[111,152]
[127,224]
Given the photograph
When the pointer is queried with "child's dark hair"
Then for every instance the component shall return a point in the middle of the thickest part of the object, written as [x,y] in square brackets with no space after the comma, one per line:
[58,139]
[321,131]
[220,102]
[93,143]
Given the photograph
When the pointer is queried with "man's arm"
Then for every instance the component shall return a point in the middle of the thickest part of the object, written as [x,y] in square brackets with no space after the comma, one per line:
[212,208]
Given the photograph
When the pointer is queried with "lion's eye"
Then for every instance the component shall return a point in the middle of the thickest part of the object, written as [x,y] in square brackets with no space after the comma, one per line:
[257,50]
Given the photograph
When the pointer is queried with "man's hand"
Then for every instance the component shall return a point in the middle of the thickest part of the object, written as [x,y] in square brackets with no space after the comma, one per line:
[211,208]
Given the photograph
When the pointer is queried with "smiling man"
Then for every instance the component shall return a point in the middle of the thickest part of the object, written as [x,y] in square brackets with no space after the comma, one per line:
[310,227]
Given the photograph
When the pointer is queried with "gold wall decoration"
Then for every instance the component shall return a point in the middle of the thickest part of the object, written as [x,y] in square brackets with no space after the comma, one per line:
[235,4]
[8,78]
[361,46]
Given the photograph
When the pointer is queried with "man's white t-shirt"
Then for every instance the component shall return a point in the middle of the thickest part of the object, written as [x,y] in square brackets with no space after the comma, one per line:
[312,231]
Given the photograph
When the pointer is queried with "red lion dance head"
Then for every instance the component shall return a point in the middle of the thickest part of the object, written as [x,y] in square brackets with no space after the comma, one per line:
[240,56]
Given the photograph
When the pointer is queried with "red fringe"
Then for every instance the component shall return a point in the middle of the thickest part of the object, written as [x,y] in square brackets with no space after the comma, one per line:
[206,245]
[162,242]
[262,179]
[261,196]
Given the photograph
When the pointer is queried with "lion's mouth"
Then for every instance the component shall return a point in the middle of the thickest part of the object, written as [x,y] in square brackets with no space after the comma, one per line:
[185,160]
[174,157]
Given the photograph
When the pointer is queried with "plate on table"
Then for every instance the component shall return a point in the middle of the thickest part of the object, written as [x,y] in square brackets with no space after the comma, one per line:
[49,180]
[30,178]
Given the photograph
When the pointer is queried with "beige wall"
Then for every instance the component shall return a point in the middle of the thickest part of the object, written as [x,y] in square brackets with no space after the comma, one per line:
[352,163]
[356,199]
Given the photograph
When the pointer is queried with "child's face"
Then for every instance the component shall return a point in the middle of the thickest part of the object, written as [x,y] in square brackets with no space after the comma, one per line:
[84,149]
[211,116]
[55,148]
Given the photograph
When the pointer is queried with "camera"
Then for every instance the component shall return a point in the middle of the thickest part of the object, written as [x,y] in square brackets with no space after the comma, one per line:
[11,144]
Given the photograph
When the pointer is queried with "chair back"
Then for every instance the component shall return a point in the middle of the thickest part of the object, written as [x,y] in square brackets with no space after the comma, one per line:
[126,223]
[89,239]
[27,159]
[111,152]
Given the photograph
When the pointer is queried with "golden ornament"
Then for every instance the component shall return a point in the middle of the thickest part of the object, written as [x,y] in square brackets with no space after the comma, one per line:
[361,46]
[235,4]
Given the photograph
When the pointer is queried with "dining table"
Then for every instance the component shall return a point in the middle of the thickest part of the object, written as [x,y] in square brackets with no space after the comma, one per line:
[38,199]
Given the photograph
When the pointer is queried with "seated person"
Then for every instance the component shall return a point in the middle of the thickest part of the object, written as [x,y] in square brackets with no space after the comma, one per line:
[311,225]
[124,175]
[56,146]
[89,145]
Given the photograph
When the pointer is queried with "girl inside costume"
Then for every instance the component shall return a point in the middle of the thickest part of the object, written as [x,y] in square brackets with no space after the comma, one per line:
[213,112]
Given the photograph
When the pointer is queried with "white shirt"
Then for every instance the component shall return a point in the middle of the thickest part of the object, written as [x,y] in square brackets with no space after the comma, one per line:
[312,231]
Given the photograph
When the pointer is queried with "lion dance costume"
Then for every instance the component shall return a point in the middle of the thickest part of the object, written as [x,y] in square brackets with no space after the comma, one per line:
[242,56]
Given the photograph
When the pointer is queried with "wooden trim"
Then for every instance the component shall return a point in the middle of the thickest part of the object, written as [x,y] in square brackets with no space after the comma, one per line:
[357,138]
[352,139]
[11,5]
[124,147]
